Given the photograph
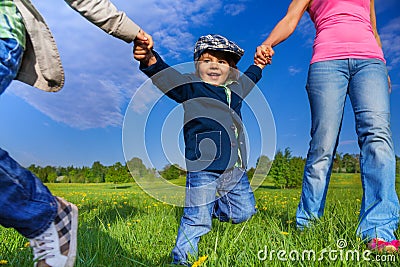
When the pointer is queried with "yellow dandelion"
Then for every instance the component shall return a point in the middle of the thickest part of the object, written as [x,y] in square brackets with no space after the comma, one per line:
[27,244]
[284,233]
[3,262]
[200,261]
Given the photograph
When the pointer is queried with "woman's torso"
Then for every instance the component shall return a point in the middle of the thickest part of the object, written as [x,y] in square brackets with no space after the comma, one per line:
[343,30]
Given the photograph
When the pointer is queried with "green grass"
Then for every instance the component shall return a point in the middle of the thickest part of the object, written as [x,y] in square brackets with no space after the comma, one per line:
[123,226]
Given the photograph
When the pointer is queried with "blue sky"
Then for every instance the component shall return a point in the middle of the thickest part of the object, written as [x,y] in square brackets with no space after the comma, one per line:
[83,122]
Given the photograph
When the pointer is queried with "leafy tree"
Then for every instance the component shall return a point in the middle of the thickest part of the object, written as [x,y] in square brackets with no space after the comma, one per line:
[117,173]
[51,178]
[76,176]
[296,170]
[287,171]
[337,162]
[350,163]
[280,169]
[263,165]
[172,172]
[43,173]
[97,173]
[137,168]
[250,173]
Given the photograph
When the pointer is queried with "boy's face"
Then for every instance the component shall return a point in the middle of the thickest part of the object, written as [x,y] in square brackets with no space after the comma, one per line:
[213,67]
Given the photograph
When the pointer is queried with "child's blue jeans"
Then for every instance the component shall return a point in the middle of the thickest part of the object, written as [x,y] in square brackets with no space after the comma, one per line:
[226,196]
[26,204]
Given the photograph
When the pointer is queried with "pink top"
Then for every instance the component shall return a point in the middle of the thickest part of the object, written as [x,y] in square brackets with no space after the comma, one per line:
[343,30]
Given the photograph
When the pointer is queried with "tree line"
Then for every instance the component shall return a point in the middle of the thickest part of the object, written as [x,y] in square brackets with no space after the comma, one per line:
[286,170]
[97,173]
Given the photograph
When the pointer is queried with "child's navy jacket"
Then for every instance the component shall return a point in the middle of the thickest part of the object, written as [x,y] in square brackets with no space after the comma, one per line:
[211,143]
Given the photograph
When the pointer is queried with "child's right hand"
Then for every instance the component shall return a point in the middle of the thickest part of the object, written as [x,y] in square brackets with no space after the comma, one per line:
[144,38]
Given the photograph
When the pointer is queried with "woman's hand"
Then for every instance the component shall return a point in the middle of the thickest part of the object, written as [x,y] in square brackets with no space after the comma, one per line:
[264,54]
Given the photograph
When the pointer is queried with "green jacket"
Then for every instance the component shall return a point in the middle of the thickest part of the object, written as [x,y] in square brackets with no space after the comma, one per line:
[41,65]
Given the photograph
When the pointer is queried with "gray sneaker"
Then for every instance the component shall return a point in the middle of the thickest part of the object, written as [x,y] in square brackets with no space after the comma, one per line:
[56,247]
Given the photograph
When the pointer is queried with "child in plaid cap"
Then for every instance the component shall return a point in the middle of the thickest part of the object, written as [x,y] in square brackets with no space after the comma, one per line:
[217,185]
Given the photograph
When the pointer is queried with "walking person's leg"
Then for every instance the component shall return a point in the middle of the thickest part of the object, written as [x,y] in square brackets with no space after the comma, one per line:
[196,220]
[379,214]
[27,205]
[236,202]
[327,88]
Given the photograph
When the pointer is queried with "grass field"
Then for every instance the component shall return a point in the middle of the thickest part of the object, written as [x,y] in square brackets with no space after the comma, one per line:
[123,226]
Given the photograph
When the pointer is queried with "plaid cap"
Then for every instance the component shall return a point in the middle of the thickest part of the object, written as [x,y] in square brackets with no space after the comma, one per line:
[217,43]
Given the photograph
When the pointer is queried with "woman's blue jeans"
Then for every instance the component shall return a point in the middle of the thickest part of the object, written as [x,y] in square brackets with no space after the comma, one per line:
[366,84]
[26,204]
[227,197]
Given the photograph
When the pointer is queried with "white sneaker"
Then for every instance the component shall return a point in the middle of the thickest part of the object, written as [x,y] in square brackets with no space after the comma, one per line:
[56,247]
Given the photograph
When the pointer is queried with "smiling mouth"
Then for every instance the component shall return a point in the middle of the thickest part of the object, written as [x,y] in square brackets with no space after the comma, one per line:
[214,75]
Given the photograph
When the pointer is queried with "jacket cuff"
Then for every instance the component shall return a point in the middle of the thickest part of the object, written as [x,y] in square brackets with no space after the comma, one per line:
[128,30]
[155,68]
[256,70]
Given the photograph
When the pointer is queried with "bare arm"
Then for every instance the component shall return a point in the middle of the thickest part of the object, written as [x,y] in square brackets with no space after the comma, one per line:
[281,31]
[288,24]
[373,23]
[376,34]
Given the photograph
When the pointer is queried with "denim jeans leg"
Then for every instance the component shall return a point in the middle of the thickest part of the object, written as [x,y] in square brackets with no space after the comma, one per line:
[27,205]
[197,214]
[236,203]
[368,91]
[326,88]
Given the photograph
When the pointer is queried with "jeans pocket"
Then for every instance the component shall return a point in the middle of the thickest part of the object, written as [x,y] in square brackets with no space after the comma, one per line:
[208,145]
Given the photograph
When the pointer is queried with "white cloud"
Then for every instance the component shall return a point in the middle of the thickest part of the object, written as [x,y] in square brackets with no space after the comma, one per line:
[234,9]
[347,142]
[144,97]
[390,38]
[77,105]
[306,29]
[101,75]
[293,70]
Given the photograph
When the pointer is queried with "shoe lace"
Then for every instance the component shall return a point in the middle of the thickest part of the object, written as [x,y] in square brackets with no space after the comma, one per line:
[41,246]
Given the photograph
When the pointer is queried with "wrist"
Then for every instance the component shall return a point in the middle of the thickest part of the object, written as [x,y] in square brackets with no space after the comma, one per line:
[149,60]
